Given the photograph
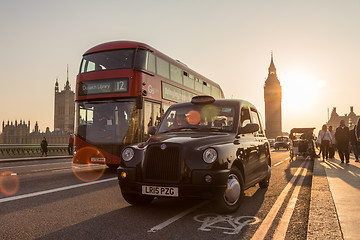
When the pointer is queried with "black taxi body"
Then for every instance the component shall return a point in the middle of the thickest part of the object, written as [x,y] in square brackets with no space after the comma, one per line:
[214,149]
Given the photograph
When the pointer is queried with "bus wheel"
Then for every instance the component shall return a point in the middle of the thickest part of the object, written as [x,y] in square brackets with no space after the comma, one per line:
[136,199]
[234,193]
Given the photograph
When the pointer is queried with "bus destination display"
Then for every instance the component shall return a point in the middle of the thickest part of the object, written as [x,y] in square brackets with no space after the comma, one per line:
[104,86]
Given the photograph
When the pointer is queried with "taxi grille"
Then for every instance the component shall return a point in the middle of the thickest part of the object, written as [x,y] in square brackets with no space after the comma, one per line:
[162,165]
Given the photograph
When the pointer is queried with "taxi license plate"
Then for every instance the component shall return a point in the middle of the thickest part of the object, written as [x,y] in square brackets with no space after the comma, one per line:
[160,191]
[97,160]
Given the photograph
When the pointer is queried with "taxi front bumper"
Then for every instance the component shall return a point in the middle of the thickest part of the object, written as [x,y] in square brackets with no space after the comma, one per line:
[198,187]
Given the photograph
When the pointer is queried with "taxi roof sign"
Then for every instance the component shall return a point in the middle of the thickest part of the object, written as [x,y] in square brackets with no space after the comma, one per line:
[202,99]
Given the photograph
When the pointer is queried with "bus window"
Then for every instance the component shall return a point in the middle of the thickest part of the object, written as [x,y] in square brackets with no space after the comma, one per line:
[116,59]
[215,92]
[206,88]
[189,80]
[163,68]
[141,59]
[175,74]
[152,116]
[151,63]
[198,85]
[108,122]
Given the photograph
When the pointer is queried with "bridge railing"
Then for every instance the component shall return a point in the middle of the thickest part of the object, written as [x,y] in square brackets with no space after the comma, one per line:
[31,150]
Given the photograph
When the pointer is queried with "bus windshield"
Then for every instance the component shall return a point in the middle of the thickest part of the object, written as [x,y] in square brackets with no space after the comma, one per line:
[198,118]
[108,122]
[116,59]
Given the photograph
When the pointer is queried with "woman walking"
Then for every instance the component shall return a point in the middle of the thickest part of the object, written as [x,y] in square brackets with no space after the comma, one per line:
[324,139]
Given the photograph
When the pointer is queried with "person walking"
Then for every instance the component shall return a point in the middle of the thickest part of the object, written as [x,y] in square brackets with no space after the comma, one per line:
[324,139]
[355,144]
[44,145]
[332,146]
[71,144]
[342,137]
[357,130]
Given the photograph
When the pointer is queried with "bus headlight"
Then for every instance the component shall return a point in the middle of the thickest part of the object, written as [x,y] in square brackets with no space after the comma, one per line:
[127,154]
[209,155]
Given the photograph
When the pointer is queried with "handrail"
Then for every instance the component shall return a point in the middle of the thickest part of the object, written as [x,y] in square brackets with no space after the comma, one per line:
[21,150]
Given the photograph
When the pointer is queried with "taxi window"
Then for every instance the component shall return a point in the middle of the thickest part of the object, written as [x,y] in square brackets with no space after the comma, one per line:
[245,116]
[255,119]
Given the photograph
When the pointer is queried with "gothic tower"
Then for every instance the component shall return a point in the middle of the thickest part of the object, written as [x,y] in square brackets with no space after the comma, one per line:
[64,107]
[272,97]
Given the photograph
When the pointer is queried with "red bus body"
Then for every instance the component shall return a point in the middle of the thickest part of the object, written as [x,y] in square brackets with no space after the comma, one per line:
[133,91]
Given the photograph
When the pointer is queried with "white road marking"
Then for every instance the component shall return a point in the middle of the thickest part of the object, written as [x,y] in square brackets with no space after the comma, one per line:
[277,164]
[266,224]
[175,218]
[8,199]
[231,225]
[281,229]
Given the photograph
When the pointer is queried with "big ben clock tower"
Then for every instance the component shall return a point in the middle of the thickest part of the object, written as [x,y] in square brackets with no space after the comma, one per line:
[272,97]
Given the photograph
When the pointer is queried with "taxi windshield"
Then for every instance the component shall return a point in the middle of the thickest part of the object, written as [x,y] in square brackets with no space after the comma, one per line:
[210,117]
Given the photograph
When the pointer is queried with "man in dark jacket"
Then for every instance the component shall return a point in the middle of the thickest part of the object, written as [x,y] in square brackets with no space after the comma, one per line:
[355,144]
[44,145]
[342,136]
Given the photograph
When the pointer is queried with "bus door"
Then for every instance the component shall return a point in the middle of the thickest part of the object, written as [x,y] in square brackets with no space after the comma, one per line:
[152,117]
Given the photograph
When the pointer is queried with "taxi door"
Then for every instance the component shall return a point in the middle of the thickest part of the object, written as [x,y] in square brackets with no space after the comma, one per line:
[261,143]
[250,148]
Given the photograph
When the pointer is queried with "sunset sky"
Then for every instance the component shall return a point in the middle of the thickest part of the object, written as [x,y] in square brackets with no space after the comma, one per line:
[316,47]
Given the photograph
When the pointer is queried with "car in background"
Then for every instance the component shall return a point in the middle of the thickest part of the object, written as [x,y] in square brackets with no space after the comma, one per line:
[271,142]
[282,142]
[206,148]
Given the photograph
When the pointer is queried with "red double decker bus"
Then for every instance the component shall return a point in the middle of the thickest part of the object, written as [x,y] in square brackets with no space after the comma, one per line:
[122,88]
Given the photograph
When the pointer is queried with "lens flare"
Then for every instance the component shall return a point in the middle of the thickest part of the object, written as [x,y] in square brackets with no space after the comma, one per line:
[88,164]
[209,112]
[193,117]
[9,183]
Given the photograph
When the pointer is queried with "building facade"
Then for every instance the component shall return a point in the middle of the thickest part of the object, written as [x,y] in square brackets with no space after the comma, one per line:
[15,133]
[350,119]
[64,108]
[272,98]
[19,133]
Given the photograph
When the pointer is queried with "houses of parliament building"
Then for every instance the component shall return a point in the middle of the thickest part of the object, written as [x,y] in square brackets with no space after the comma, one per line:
[64,109]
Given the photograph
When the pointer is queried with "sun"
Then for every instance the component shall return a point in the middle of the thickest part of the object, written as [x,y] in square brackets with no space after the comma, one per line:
[300,91]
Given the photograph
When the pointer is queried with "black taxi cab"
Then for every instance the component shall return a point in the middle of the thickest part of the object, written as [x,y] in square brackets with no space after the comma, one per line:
[213,149]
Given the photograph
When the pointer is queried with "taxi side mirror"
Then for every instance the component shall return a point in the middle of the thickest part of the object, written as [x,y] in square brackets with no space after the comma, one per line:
[248,128]
[152,130]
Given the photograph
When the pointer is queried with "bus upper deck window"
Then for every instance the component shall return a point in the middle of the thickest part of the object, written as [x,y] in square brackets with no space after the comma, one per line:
[141,59]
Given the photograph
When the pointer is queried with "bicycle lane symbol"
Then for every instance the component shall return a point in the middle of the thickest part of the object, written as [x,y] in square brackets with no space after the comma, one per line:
[231,225]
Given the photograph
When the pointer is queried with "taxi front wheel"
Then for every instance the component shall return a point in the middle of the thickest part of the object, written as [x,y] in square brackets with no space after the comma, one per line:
[234,193]
[136,199]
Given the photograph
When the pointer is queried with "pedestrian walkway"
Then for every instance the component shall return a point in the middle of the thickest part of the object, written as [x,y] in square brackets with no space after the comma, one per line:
[334,206]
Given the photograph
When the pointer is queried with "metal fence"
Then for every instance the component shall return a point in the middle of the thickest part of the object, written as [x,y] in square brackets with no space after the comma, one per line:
[31,150]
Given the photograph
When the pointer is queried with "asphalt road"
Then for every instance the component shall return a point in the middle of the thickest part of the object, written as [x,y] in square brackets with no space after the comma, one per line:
[55,200]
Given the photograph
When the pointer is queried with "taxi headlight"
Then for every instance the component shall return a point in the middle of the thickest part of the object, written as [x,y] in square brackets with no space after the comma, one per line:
[127,154]
[209,155]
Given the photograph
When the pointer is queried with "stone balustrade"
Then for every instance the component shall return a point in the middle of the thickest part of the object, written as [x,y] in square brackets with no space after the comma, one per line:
[31,150]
